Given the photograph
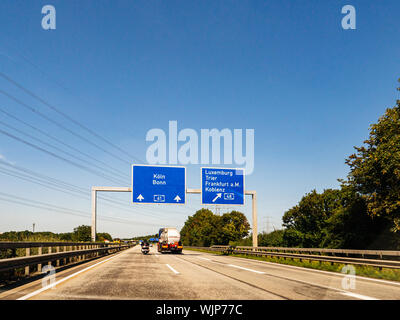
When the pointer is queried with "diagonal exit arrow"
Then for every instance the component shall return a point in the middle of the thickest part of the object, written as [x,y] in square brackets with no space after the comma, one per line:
[140,197]
[219,195]
[177,198]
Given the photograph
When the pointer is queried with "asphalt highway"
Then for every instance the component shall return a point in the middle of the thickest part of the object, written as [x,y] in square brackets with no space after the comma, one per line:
[196,275]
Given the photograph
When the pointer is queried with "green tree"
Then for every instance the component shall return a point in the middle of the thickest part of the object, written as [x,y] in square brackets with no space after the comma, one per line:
[350,226]
[201,229]
[246,241]
[375,168]
[306,221]
[205,228]
[68,236]
[336,219]
[234,226]
[272,239]
[103,236]
[82,233]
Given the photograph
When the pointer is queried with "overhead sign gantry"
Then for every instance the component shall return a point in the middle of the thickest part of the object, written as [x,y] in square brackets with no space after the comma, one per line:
[167,185]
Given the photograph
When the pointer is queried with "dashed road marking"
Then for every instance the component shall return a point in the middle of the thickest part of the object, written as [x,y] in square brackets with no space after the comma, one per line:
[358,296]
[251,270]
[204,258]
[331,273]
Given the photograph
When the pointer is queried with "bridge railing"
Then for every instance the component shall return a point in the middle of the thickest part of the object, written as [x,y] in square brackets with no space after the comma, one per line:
[52,253]
[375,258]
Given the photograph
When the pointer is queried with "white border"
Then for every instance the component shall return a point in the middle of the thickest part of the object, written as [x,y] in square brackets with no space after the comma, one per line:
[221,204]
[157,165]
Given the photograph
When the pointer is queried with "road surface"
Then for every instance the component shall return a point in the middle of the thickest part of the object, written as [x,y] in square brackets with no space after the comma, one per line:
[197,275]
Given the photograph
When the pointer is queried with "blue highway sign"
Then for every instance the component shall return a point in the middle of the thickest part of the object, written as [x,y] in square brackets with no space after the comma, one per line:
[222,186]
[157,184]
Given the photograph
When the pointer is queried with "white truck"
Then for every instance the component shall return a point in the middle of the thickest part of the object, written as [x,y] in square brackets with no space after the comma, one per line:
[169,240]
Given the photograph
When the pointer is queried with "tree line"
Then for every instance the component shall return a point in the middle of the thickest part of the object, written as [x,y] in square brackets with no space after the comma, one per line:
[363,213]
[79,234]
[205,228]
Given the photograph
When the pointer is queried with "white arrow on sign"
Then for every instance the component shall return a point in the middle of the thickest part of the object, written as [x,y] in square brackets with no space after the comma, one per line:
[177,198]
[219,195]
[140,197]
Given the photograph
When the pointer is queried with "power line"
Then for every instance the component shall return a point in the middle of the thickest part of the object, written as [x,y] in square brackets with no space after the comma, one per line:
[42,203]
[59,188]
[57,156]
[27,91]
[25,178]
[104,218]
[42,115]
[40,69]
[47,206]
[74,188]
[59,125]
[55,122]
[50,136]
[58,149]
[43,177]
[59,185]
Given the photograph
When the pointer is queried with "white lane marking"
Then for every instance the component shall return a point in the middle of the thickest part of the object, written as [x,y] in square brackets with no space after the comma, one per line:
[173,270]
[204,258]
[358,296]
[251,270]
[332,273]
[347,293]
[34,293]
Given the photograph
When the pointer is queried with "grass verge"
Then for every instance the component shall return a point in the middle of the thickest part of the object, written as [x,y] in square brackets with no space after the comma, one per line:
[365,271]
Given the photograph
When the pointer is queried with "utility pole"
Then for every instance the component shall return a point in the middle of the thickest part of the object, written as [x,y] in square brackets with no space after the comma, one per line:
[33,228]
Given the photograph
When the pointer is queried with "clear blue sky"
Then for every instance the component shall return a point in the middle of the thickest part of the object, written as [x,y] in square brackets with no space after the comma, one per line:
[286,69]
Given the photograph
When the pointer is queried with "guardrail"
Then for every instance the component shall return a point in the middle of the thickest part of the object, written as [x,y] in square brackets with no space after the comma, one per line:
[322,251]
[326,255]
[58,253]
